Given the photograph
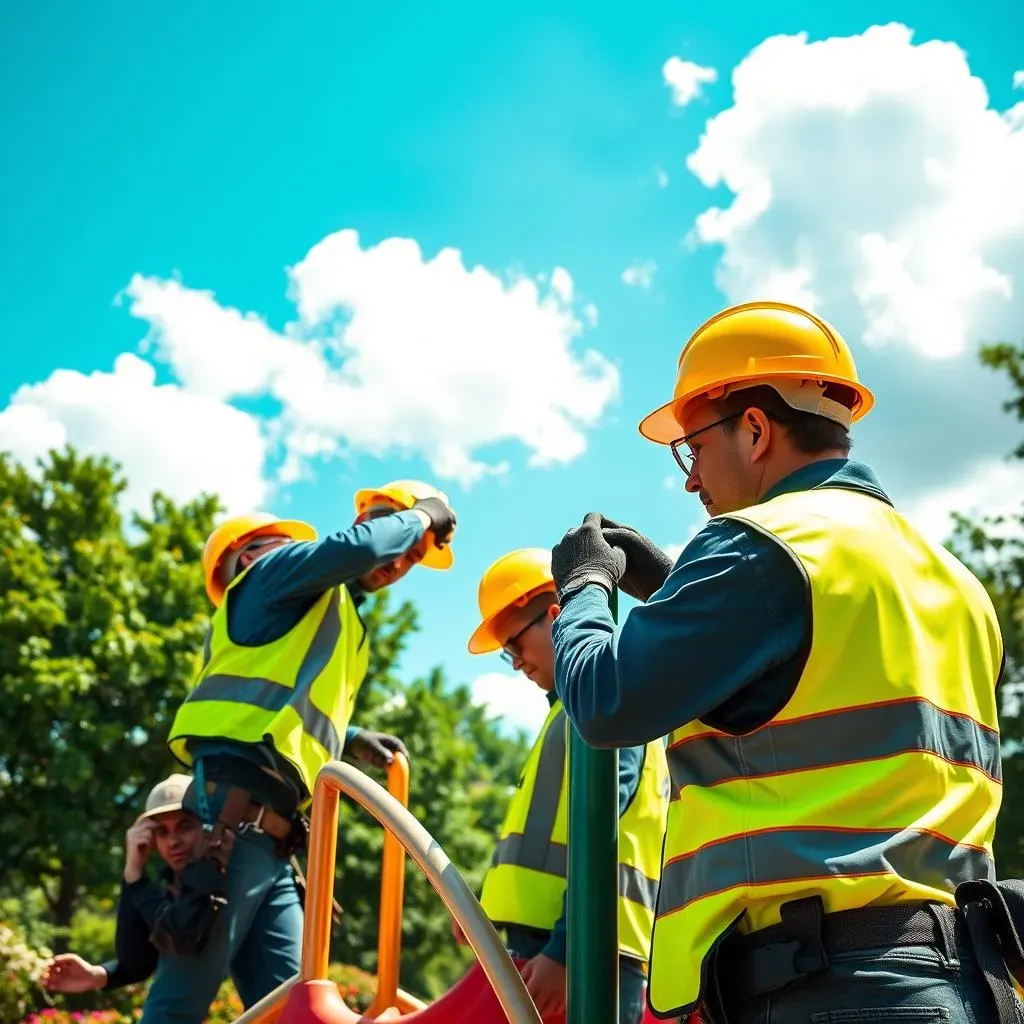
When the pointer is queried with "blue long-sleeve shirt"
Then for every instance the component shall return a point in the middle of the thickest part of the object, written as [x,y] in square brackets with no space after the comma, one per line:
[722,640]
[281,586]
[528,942]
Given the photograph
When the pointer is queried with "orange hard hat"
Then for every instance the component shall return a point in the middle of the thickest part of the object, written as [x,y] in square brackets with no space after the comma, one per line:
[233,533]
[403,494]
[510,582]
[772,343]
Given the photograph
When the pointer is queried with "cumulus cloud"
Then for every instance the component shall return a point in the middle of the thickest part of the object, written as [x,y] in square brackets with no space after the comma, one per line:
[640,274]
[873,182]
[397,353]
[993,487]
[165,437]
[686,79]
[1018,79]
[661,177]
[870,167]
[512,699]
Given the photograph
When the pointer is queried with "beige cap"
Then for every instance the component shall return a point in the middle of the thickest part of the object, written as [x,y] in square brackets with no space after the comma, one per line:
[166,796]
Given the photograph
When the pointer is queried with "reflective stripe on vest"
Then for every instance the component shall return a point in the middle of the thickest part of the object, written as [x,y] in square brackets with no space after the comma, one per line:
[271,696]
[877,783]
[295,693]
[509,897]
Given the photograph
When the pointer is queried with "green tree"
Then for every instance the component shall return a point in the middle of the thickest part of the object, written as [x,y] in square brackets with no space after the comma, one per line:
[993,547]
[101,621]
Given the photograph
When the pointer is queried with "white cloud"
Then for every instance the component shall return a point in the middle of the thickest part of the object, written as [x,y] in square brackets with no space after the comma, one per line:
[1018,79]
[686,79]
[993,487]
[661,177]
[394,353]
[640,274]
[866,166]
[513,699]
[164,437]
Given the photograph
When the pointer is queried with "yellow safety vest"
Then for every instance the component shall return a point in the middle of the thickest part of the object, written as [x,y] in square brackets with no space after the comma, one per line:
[879,781]
[296,692]
[526,882]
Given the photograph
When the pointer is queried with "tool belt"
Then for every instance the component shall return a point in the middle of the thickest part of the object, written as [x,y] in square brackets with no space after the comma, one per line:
[988,918]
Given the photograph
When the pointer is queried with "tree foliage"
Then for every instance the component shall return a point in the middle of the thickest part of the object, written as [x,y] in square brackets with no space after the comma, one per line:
[993,547]
[102,620]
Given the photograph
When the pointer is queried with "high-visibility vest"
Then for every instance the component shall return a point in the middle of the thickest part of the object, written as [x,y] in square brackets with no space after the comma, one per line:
[878,782]
[296,692]
[526,882]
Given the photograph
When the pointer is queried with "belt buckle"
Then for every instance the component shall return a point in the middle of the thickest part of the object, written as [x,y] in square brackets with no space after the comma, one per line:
[253,826]
[773,966]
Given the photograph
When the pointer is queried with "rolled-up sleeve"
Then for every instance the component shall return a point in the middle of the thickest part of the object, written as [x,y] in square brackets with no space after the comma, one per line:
[733,608]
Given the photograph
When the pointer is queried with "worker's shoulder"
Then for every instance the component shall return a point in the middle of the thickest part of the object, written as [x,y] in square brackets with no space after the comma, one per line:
[725,540]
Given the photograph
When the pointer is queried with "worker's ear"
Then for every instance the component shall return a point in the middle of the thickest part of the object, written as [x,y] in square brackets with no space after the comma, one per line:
[554,610]
[759,430]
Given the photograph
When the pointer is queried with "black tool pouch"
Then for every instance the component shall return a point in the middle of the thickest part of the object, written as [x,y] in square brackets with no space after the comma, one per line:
[994,914]
[184,925]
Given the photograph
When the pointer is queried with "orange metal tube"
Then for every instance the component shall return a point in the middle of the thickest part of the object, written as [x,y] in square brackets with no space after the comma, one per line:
[323,850]
[392,891]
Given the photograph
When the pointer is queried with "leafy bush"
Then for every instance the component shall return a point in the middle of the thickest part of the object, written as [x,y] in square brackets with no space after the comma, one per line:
[20,970]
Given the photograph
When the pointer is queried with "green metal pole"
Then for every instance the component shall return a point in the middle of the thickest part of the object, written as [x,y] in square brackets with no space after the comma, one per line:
[593,923]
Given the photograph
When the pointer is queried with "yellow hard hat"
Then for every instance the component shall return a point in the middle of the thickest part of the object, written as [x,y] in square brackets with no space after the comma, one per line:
[403,494]
[510,582]
[234,532]
[772,343]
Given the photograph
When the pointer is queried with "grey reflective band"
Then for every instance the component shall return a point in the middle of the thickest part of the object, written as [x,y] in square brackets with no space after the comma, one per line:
[534,848]
[272,696]
[816,854]
[842,737]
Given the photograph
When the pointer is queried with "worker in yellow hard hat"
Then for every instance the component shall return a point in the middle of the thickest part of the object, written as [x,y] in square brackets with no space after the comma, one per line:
[524,889]
[284,660]
[827,678]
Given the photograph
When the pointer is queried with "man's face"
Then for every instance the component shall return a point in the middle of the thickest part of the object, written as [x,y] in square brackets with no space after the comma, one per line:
[391,572]
[526,640]
[175,834]
[723,475]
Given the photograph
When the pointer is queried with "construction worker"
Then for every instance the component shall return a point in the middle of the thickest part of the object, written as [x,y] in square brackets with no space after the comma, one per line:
[284,660]
[166,827]
[828,680]
[524,889]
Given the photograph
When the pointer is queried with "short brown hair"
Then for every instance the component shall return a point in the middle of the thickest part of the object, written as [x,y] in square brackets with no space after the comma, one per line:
[811,434]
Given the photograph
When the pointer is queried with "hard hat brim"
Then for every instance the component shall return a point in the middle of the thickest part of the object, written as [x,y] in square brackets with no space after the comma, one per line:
[438,558]
[663,427]
[483,640]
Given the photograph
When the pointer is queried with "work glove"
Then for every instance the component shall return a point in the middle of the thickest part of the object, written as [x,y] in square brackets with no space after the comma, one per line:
[442,519]
[376,748]
[583,556]
[647,566]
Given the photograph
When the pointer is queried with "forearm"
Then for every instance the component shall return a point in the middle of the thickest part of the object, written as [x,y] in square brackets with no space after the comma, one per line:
[311,567]
[555,947]
[608,704]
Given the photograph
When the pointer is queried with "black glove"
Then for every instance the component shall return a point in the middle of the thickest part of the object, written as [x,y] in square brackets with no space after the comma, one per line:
[375,748]
[583,556]
[442,519]
[647,566]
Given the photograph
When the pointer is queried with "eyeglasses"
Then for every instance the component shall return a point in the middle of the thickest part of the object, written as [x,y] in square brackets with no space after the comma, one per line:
[686,459]
[511,645]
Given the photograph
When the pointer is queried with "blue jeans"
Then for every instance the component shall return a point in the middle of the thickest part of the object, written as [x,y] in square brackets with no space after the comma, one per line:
[257,938]
[909,985]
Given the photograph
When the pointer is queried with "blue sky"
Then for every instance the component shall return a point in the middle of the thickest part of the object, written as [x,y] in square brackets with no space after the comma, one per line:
[168,172]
